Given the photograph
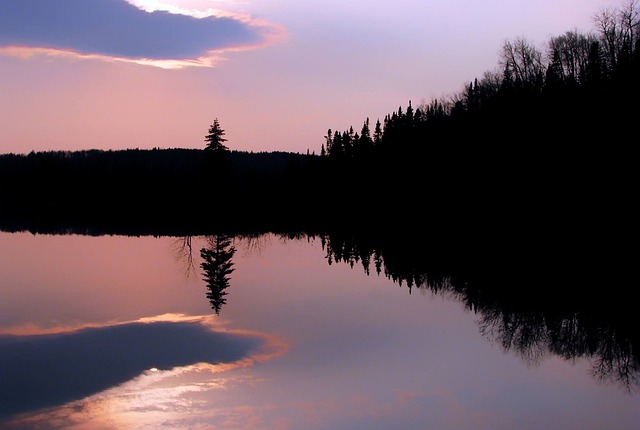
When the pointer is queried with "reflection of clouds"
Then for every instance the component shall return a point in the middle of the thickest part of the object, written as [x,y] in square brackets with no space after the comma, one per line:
[154,33]
[165,397]
[30,329]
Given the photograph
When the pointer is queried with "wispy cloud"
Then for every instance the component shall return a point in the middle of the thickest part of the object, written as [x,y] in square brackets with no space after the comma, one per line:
[139,31]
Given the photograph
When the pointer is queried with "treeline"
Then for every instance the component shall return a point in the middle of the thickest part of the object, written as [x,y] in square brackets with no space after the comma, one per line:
[539,118]
[543,147]
[171,191]
[580,86]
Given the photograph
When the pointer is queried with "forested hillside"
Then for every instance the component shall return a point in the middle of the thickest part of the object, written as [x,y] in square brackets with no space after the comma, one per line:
[545,142]
[583,88]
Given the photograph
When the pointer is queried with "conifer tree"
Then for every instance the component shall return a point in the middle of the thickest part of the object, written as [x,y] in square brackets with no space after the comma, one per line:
[214,138]
[217,265]
[377,133]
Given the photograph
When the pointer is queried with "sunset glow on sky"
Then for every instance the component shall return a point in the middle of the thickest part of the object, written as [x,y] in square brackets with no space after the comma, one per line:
[112,74]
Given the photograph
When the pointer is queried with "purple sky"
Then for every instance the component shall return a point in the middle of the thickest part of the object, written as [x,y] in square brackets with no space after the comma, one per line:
[78,74]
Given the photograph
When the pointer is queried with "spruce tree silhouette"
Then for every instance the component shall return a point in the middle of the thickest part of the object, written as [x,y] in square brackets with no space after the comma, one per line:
[214,138]
[217,266]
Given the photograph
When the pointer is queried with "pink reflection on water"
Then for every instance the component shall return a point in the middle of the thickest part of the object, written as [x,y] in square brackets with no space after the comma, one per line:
[50,282]
[343,349]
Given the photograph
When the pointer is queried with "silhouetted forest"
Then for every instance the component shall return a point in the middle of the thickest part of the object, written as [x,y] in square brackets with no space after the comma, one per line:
[166,191]
[549,134]
[529,169]
[533,162]
[544,143]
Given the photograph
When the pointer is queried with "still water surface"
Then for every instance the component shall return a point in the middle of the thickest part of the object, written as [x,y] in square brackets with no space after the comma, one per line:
[115,332]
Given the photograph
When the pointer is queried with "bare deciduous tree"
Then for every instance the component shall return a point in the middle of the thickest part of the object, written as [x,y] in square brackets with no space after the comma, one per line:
[570,55]
[618,30]
[523,59]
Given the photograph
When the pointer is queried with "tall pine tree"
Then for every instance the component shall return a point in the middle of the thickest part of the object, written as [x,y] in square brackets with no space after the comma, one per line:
[214,138]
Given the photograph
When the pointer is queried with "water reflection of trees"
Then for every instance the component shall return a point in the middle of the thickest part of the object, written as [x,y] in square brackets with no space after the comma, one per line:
[534,335]
[528,308]
[216,266]
[217,258]
[183,252]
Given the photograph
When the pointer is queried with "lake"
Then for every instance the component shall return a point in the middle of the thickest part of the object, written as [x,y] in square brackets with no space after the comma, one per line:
[119,332]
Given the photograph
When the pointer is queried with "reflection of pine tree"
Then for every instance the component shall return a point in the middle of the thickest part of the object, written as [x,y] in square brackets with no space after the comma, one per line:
[217,266]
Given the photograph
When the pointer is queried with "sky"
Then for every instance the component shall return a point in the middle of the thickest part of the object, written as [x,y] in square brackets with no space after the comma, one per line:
[118,74]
